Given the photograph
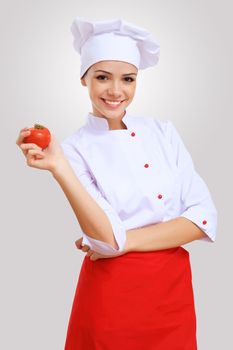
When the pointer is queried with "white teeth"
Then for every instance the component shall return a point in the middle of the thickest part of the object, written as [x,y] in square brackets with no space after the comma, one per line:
[112,102]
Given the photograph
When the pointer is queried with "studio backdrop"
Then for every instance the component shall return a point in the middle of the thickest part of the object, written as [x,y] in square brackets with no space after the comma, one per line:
[191,86]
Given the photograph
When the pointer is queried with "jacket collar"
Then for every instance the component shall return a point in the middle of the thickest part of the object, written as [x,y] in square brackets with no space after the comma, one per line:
[101,124]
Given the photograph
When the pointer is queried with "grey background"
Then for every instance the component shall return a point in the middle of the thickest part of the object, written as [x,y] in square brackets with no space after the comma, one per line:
[191,85]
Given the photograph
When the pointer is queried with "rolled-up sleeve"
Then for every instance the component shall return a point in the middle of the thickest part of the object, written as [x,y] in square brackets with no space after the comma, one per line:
[196,201]
[80,168]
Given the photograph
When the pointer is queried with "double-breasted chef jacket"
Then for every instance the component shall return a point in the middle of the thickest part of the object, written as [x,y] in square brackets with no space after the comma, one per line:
[139,176]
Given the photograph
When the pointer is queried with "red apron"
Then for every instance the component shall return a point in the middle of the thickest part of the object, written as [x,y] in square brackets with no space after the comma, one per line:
[136,301]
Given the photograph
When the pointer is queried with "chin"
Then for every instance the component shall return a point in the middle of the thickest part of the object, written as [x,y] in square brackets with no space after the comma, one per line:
[109,113]
[114,114]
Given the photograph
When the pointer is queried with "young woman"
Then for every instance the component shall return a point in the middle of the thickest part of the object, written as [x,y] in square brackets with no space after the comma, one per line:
[137,197]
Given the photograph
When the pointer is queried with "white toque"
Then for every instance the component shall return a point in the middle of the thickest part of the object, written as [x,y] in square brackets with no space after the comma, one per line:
[113,40]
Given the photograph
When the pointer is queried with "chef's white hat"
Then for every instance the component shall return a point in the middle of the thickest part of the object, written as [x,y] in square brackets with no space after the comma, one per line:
[113,40]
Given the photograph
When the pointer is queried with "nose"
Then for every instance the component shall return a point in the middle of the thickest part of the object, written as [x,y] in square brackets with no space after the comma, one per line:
[114,89]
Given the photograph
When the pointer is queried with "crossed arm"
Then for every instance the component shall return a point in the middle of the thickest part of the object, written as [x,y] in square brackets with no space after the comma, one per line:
[94,222]
[164,235]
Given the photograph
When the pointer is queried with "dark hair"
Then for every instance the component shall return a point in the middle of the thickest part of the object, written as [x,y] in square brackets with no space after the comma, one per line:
[85,73]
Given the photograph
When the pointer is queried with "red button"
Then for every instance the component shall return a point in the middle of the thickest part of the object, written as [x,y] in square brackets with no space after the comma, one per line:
[146,165]
[204,222]
[160,196]
[132,133]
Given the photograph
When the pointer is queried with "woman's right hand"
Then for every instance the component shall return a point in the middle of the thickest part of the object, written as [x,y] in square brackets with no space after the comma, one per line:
[47,159]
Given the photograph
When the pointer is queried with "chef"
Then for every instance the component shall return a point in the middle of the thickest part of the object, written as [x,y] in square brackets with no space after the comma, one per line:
[137,197]
[140,173]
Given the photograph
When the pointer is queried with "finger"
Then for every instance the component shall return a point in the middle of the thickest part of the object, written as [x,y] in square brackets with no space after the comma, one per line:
[22,135]
[85,248]
[25,128]
[33,156]
[94,257]
[27,146]
[36,152]
[90,252]
[78,243]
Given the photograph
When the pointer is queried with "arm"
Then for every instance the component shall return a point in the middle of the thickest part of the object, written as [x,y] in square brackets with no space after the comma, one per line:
[102,228]
[91,217]
[164,235]
[197,217]
[196,203]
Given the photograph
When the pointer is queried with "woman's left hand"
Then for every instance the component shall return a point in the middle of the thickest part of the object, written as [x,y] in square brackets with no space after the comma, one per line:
[93,254]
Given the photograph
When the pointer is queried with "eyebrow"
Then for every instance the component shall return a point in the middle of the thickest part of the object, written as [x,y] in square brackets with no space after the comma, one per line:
[104,71]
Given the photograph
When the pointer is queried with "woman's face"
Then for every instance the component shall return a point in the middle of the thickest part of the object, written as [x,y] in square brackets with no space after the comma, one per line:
[111,86]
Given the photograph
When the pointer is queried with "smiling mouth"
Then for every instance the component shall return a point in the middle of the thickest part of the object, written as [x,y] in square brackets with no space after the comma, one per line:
[113,103]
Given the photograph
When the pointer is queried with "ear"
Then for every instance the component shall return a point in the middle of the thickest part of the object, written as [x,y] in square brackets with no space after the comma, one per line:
[83,82]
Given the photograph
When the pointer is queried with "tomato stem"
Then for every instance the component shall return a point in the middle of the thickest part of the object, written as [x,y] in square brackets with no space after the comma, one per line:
[39,126]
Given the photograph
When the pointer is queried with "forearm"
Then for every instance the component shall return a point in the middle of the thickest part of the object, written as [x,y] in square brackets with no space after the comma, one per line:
[92,219]
[164,235]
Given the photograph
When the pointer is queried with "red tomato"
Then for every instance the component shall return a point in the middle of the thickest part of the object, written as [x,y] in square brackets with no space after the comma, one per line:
[40,135]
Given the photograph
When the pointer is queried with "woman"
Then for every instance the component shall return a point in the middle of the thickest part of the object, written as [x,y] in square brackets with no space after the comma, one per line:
[137,197]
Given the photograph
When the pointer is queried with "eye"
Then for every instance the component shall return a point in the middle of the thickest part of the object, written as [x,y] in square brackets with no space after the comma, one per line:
[129,79]
[101,77]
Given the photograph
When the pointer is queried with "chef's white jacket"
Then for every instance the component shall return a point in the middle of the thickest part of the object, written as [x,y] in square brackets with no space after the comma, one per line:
[139,176]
